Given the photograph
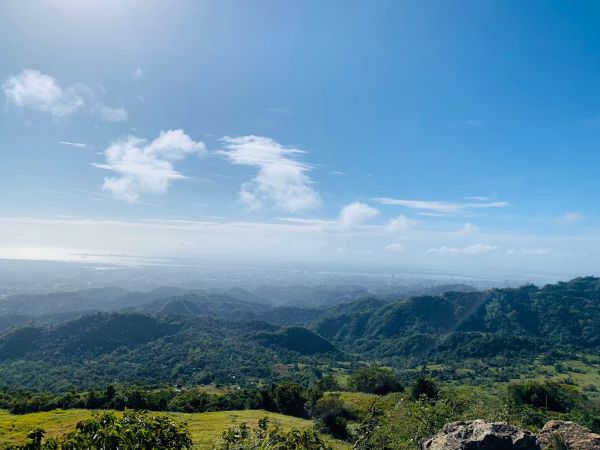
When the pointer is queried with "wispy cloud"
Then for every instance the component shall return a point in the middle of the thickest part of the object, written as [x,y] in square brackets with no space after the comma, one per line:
[282,179]
[337,173]
[479,198]
[395,248]
[356,214]
[73,144]
[144,167]
[37,91]
[112,114]
[536,251]
[474,249]
[440,207]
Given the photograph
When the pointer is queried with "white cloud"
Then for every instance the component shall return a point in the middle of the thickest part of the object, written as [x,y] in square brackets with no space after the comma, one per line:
[73,144]
[474,249]
[146,167]
[112,114]
[571,217]
[338,173]
[400,223]
[536,251]
[34,90]
[281,179]
[479,198]
[440,207]
[356,214]
[137,73]
[395,248]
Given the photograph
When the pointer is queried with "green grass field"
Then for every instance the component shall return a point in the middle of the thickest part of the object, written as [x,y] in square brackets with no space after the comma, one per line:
[206,428]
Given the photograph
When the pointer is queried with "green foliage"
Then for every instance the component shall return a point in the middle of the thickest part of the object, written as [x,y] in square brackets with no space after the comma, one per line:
[404,427]
[134,430]
[296,339]
[369,435]
[501,323]
[332,415]
[424,387]
[549,395]
[375,380]
[265,437]
[100,349]
[290,398]
[36,436]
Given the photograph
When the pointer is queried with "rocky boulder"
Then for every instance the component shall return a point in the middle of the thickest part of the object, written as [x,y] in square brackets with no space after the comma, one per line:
[481,435]
[562,435]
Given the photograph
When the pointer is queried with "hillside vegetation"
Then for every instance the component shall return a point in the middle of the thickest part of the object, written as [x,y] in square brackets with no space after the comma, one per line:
[197,339]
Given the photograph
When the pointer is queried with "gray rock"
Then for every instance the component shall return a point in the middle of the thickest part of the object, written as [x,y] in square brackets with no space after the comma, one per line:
[568,435]
[481,435]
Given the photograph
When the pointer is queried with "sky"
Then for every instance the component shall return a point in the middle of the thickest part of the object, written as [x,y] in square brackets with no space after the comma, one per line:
[451,135]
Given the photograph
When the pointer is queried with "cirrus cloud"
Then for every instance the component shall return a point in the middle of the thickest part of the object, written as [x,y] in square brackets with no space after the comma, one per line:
[426,207]
[395,248]
[474,249]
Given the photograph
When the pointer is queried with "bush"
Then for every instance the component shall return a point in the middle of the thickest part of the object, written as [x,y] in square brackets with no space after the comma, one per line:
[134,430]
[270,438]
[548,395]
[331,415]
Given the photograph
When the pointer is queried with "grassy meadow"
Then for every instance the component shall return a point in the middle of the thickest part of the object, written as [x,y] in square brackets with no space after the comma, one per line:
[205,428]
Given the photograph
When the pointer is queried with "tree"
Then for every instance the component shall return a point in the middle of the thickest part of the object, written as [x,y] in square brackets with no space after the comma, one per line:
[424,387]
[375,380]
[290,399]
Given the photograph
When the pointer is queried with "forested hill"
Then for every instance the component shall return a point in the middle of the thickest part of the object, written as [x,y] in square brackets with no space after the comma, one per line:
[134,348]
[454,325]
[196,339]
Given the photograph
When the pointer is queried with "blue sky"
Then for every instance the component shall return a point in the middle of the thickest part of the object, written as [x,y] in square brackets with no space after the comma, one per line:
[460,135]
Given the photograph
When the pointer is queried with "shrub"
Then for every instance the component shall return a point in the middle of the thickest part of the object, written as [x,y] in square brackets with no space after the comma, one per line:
[265,437]
[134,430]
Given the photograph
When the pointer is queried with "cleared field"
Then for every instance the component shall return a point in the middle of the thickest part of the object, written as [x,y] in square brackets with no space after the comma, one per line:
[206,428]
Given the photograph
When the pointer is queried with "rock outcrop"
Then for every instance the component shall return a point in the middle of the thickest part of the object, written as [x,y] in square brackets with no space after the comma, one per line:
[481,435]
[558,435]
